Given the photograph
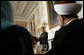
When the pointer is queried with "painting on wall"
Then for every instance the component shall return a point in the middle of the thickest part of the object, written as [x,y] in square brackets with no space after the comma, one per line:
[52,15]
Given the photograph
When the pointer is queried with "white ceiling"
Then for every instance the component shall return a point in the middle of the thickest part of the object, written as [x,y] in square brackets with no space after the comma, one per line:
[22,9]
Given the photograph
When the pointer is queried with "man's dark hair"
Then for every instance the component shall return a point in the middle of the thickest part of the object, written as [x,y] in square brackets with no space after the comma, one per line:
[44,28]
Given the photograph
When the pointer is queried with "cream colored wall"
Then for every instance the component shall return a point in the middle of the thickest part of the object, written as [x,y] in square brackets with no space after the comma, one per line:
[40,15]
[80,14]
[38,12]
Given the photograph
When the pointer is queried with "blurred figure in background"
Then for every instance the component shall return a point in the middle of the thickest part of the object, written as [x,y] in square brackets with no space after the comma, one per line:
[14,39]
[43,39]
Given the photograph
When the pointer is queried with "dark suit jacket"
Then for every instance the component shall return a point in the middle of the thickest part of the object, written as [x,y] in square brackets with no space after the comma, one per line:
[43,38]
[16,40]
[69,39]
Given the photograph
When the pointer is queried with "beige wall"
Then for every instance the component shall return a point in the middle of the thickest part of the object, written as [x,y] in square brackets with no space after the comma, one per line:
[80,14]
[40,16]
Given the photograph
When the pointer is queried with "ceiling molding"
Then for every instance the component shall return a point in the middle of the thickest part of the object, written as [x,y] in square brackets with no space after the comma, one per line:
[22,9]
[32,11]
[25,4]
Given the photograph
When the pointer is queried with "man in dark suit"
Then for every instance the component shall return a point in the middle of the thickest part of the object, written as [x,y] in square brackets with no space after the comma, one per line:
[43,38]
[69,39]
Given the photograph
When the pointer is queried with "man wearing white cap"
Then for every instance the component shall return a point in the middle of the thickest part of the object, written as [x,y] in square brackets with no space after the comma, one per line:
[69,39]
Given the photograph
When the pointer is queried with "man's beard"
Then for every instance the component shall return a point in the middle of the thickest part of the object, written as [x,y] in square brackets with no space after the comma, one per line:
[61,24]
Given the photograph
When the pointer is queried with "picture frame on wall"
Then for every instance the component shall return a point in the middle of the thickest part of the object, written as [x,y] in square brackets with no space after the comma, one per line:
[52,15]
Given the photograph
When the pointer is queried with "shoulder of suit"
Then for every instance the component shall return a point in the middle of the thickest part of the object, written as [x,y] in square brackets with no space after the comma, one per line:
[16,29]
[73,25]
[45,32]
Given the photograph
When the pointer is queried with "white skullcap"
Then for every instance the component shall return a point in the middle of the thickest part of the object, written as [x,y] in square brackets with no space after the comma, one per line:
[67,9]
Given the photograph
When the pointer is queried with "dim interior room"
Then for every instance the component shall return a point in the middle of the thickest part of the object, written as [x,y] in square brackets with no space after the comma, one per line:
[33,14]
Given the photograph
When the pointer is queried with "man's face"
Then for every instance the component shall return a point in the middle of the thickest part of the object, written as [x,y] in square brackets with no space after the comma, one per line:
[41,29]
